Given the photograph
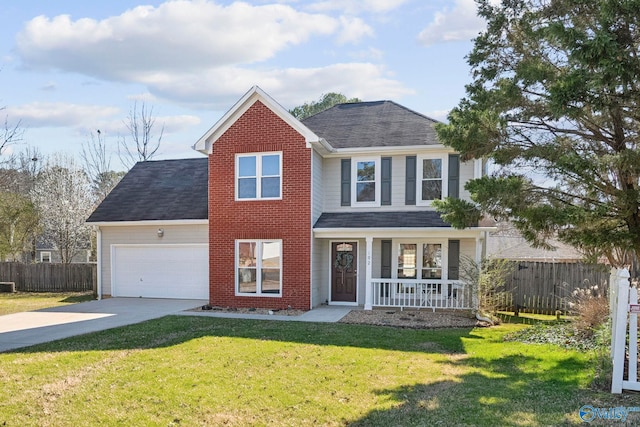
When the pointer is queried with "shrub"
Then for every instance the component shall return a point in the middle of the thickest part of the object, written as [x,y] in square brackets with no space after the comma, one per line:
[487,280]
[590,306]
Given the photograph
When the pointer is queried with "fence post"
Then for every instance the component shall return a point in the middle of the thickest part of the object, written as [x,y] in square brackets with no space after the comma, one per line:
[619,333]
[613,301]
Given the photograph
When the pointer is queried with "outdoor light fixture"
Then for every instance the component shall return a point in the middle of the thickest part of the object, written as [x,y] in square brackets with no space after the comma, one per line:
[160,232]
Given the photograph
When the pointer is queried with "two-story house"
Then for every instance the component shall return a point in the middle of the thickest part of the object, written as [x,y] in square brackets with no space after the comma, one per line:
[283,213]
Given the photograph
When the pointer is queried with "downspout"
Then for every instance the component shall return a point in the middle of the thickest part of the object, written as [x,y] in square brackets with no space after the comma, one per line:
[99,261]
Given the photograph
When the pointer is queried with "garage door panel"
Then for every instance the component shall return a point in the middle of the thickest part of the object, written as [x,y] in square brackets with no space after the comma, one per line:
[161,271]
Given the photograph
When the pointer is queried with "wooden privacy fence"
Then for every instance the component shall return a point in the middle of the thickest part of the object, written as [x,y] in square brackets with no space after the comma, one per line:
[47,277]
[544,287]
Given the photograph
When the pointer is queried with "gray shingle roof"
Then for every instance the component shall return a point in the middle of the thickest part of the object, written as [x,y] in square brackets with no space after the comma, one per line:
[402,219]
[372,124]
[158,190]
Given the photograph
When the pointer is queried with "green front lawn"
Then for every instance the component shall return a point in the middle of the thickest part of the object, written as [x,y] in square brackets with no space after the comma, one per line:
[205,371]
[29,301]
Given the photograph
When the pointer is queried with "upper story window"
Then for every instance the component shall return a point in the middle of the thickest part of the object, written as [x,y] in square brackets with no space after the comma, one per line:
[431,186]
[259,176]
[366,181]
[431,179]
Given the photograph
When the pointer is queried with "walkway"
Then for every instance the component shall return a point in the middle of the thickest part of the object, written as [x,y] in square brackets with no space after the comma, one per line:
[36,327]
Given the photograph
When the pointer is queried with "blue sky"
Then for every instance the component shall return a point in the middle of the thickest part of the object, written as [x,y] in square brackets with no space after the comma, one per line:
[69,67]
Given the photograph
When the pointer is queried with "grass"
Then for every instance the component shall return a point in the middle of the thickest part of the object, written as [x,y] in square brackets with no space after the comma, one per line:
[205,371]
[29,301]
[530,318]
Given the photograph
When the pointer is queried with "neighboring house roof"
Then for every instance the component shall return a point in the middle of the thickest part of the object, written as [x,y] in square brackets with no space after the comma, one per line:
[158,190]
[372,124]
[508,243]
[404,219]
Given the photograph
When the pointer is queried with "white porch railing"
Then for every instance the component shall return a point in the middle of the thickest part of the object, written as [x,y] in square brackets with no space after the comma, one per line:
[421,293]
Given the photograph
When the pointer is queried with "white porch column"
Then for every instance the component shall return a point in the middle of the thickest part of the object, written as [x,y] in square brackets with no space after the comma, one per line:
[368,291]
[479,255]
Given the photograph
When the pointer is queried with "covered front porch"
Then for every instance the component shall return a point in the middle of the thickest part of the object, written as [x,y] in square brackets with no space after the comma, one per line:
[399,267]
[411,293]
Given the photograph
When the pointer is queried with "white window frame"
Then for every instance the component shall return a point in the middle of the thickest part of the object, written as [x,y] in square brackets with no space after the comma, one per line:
[258,175]
[42,254]
[395,251]
[258,267]
[354,181]
[444,177]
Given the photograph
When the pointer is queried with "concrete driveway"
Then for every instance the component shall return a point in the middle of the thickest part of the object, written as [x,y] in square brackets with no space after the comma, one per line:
[35,327]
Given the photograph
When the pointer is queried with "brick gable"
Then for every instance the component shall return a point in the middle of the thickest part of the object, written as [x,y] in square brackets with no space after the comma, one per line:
[289,219]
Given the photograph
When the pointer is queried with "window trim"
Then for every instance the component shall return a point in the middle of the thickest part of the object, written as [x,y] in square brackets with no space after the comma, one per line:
[258,267]
[395,252]
[258,175]
[42,257]
[444,178]
[377,181]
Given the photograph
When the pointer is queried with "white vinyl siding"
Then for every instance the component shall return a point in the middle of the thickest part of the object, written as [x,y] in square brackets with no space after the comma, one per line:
[331,180]
[146,234]
[318,187]
[466,174]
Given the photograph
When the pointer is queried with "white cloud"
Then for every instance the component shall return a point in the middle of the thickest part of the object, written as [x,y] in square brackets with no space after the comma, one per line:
[440,115]
[353,30]
[459,23]
[291,86]
[87,118]
[175,124]
[203,54]
[179,34]
[58,114]
[357,6]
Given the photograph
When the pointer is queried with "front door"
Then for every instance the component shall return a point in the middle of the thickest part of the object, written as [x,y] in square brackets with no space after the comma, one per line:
[344,281]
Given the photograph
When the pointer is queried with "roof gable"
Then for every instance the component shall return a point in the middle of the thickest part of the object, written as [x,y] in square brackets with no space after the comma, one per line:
[372,124]
[163,190]
[255,94]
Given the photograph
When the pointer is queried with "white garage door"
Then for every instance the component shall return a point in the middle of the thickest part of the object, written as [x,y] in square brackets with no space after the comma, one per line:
[160,271]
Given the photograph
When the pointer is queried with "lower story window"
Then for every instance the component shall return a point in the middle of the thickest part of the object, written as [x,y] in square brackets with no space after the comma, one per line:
[258,267]
[431,261]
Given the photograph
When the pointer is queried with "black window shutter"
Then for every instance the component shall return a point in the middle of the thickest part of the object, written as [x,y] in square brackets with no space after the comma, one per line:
[454,176]
[385,262]
[345,182]
[410,183]
[454,260]
[385,187]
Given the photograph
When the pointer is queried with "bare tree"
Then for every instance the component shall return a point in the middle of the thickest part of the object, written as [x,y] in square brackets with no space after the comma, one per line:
[64,201]
[10,135]
[143,144]
[97,166]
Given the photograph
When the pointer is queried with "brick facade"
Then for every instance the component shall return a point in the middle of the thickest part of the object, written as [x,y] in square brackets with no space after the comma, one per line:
[260,130]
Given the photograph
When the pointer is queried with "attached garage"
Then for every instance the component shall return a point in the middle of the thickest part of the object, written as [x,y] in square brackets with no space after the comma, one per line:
[153,232]
[160,271]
